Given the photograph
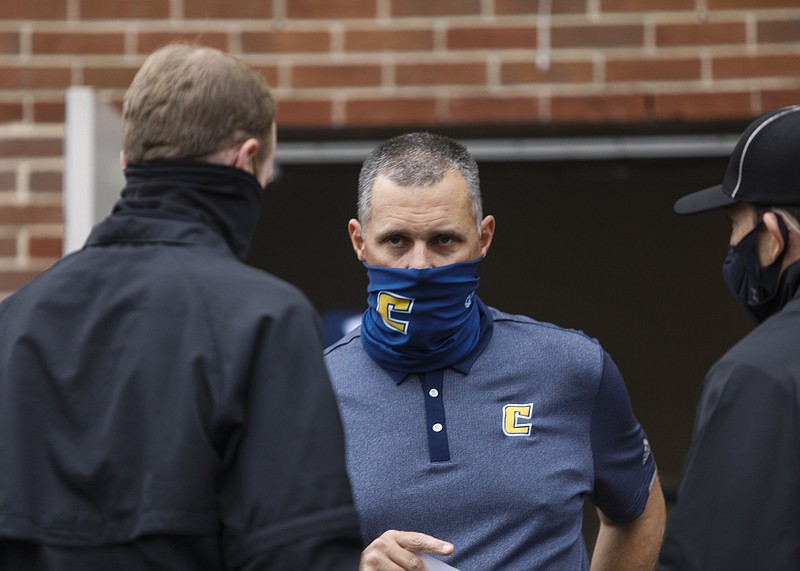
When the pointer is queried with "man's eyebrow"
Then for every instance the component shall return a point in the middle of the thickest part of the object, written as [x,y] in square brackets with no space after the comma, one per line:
[455,232]
[389,232]
[383,234]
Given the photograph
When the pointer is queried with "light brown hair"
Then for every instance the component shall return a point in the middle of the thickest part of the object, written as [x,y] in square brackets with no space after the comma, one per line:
[188,102]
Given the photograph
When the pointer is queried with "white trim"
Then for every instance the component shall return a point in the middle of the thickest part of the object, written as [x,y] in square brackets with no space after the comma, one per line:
[750,139]
[92,173]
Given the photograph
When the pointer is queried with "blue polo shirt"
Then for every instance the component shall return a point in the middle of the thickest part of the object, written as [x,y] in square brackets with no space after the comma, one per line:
[496,453]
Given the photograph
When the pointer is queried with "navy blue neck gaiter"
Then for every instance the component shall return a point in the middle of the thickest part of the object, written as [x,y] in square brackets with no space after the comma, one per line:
[421,320]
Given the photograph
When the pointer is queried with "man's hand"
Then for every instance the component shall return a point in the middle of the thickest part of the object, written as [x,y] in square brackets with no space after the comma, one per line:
[396,551]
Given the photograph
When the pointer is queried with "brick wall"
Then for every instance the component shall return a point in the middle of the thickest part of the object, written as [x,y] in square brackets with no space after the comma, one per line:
[359,63]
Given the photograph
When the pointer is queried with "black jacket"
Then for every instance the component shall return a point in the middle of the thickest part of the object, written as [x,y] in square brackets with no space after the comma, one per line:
[739,502]
[165,406]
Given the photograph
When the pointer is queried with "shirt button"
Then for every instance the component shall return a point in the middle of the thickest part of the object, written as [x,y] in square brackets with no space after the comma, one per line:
[437,427]
[434,393]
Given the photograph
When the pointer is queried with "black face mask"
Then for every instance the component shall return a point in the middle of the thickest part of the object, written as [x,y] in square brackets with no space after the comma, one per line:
[753,285]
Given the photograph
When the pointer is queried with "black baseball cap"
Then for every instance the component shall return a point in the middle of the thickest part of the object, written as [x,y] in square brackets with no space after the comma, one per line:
[764,167]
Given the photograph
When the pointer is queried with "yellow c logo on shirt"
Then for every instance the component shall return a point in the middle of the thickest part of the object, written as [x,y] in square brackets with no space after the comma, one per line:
[513,417]
[389,305]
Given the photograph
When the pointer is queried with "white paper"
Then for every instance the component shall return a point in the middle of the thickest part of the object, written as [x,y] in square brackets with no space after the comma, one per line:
[435,564]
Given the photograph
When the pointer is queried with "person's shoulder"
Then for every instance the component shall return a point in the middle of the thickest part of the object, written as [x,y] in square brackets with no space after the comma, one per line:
[348,363]
[233,278]
[772,338]
[524,325]
[235,294]
[349,344]
[54,278]
[767,354]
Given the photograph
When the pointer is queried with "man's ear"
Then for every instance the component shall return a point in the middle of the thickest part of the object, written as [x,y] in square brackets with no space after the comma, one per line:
[245,155]
[123,160]
[487,233]
[773,243]
[356,238]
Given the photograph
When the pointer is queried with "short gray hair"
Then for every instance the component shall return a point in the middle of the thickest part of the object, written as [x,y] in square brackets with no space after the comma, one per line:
[418,159]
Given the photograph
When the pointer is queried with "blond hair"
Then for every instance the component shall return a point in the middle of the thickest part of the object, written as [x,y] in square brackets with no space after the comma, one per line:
[188,102]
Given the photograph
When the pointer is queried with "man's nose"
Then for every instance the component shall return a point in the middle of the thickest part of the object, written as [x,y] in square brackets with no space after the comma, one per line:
[420,257]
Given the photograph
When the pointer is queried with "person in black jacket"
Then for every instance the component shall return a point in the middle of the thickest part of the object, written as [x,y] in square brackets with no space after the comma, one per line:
[163,405]
[738,504]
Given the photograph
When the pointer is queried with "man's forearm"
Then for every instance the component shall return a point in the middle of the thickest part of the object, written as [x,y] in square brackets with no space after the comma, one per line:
[632,546]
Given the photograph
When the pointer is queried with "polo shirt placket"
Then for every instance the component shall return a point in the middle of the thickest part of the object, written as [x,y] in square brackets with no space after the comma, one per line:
[433,387]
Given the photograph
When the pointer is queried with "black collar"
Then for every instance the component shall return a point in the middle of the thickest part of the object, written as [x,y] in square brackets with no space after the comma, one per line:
[224,198]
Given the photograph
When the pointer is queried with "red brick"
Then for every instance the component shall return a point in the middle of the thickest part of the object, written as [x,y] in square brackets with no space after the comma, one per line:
[140,9]
[779,31]
[286,42]
[270,72]
[12,148]
[8,247]
[701,106]
[10,112]
[46,181]
[19,215]
[336,75]
[109,77]
[773,99]
[401,8]
[310,9]
[596,36]
[700,34]
[150,42]
[652,69]
[8,181]
[45,247]
[750,4]
[491,38]
[38,10]
[11,280]
[598,108]
[647,5]
[78,43]
[388,40]
[405,112]
[497,110]
[441,74]
[757,66]
[511,7]
[304,113]
[9,43]
[49,111]
[248,9]
[34,77]
[558,72]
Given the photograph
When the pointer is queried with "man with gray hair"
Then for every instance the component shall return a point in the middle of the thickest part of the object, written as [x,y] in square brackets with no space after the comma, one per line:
[473,434]
[164,406]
